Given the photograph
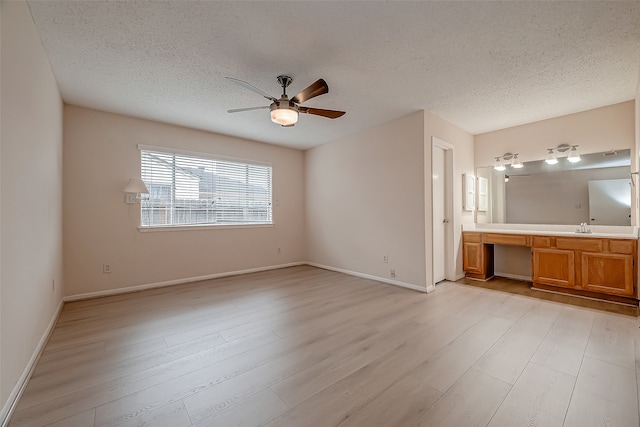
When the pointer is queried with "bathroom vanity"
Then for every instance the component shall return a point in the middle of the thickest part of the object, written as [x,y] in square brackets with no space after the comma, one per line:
[602,264]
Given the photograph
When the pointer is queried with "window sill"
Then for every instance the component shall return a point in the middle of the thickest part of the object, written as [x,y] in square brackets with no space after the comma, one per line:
[200,227]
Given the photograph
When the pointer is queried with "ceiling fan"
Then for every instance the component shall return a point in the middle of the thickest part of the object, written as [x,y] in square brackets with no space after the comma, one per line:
[284,111]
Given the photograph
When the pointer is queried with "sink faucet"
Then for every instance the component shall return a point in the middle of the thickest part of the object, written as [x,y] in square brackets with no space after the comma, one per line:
[583,228]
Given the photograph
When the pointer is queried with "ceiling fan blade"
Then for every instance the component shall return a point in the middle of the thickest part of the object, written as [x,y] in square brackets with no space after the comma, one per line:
[252,88]
[318,88]
[238,110]
[331,114]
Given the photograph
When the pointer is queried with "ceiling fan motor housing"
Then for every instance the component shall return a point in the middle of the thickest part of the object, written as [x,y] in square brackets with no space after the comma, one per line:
[283,104]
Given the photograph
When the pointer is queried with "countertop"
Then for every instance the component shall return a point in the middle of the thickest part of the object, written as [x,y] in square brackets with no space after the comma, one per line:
[599,231]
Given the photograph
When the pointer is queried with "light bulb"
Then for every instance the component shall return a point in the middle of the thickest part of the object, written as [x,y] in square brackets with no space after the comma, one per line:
[515,162]
[551,158]
[574,156]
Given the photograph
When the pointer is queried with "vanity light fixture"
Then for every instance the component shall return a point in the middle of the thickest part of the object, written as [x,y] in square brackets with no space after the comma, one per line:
[574,156]
[501,161]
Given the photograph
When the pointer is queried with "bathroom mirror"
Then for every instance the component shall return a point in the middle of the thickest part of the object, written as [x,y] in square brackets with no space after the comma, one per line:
[595,190]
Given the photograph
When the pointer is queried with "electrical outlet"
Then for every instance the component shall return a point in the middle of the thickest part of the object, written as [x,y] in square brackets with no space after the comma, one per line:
[106,268]
[385,259]
[393,272]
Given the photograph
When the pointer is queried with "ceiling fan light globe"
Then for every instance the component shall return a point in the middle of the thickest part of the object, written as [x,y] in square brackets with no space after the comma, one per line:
[284,116]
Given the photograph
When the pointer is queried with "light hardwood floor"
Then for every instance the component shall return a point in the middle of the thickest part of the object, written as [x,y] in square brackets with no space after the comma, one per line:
[308,347]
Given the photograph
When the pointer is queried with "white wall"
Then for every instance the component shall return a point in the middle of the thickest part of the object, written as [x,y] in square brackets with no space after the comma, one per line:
[367,197]
[31,195]
[100,155]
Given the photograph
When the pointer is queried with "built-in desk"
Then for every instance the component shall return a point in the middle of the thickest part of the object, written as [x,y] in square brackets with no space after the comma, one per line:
[597,267]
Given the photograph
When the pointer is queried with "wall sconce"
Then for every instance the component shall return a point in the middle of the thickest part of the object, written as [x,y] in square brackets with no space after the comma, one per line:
[572,157]
[134,188]
[499,164]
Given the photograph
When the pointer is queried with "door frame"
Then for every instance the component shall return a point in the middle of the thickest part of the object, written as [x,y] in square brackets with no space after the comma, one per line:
[449,259]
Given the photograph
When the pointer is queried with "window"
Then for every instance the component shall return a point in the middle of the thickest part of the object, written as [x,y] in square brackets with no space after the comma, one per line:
[191,189]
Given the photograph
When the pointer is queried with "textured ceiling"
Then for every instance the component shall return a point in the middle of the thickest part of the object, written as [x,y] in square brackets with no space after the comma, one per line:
[480,65]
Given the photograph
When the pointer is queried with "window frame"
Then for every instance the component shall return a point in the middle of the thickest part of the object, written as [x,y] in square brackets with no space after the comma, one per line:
[204,226]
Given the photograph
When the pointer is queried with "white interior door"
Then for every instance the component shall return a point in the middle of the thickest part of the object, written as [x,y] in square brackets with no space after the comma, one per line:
[439,213]
[610,202]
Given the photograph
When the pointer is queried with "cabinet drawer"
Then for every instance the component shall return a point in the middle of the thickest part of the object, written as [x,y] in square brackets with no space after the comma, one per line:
[580,244]
[471,237]
[541,242]
[621,246]
[507,239]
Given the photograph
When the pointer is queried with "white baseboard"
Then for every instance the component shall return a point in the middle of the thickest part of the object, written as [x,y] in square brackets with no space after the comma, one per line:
[18,389]
[138,288]
[119,291]
[369,276]
[512,276]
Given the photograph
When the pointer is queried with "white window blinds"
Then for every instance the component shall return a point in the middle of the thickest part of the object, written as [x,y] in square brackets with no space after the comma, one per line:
[186,189]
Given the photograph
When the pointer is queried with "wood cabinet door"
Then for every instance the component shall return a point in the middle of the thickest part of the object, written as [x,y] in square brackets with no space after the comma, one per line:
[608,273]
[554,267]
[473,257]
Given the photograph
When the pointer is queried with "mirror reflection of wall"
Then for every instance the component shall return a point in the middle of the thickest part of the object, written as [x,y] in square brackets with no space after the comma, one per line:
[495,211]
[538,194]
